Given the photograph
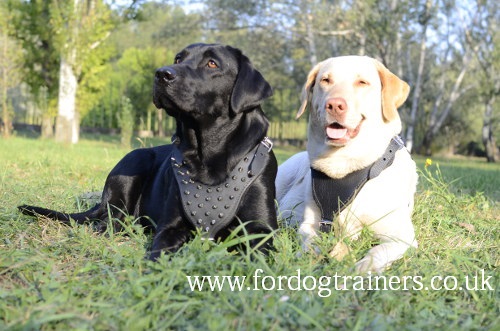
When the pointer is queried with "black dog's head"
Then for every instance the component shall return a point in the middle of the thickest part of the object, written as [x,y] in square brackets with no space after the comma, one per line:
[207,80]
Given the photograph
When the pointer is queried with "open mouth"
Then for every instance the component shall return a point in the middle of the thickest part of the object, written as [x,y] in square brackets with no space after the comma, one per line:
[336,131]
[338,134]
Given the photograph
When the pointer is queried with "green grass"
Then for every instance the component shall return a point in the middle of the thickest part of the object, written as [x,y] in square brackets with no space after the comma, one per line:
[57,277]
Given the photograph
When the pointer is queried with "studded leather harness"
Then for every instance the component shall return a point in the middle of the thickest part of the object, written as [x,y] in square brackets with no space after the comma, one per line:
[332,195]
[210,208]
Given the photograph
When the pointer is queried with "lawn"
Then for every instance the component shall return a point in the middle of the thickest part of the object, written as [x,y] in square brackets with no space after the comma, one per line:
[58,277]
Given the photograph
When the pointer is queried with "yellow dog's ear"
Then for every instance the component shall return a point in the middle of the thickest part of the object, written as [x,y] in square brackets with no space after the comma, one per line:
[306,94]
[394,92]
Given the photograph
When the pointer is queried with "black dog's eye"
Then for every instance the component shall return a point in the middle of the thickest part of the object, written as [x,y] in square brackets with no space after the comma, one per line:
[177,60]
[211,64]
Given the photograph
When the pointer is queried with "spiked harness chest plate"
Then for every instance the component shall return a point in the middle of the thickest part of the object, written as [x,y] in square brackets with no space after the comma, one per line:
[332,195]
[211,208]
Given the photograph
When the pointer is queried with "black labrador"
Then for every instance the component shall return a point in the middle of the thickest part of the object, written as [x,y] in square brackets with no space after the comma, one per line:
[219,171]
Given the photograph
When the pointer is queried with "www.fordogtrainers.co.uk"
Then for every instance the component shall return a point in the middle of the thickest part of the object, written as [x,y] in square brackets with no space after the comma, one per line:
[325,285]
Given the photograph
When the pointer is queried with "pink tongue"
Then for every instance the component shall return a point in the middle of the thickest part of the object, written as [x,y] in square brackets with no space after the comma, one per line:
[336,133]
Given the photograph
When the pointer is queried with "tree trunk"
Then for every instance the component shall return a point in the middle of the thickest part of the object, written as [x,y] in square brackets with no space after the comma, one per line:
[308,21]
[5,123]
[416,92]
[436,121]
[67,126]
[47,126]
[161,125]
[489,142]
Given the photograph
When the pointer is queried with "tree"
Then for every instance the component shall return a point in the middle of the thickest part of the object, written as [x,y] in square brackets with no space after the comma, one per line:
[9,69]
[80,27]
[126,122]
[40,60]
[455,62]
[482,39]
[140,46]
[424,21]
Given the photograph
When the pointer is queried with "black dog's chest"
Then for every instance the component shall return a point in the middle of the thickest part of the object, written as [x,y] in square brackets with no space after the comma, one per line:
[211,208]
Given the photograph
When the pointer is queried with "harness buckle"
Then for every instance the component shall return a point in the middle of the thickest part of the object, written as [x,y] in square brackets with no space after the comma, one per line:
[267,143]
[325,226]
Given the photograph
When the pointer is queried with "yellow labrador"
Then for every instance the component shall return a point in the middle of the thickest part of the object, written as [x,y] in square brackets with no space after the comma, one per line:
[353,128]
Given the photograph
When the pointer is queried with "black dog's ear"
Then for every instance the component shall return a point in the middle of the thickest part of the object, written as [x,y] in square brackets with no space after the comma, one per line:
[250,87]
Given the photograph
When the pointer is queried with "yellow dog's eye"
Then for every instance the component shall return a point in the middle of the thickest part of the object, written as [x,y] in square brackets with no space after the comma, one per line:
[211,64]
[325,80]
[363,82]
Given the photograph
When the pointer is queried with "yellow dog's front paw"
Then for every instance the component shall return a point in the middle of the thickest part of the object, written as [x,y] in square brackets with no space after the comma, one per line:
[339,251]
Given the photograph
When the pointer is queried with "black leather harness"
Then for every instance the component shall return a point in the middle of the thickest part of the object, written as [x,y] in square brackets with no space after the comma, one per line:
[332,195]
[211,208]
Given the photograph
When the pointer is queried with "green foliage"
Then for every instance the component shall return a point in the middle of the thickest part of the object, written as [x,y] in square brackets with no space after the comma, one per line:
[141,47]
[79,26]
[40,56]
[139,66]
[95,79]
[78,30]
[58,277]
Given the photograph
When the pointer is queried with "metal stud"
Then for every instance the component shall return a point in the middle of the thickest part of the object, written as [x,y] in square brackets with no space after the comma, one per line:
[221,215]
[240,169]
[180,173]
[236,189]
[199,187]
[234,178]
[184,181]
[219,189]
[219,198]
[208,198]
[226,185]
[243,179]
[226,207]
[212,222]
[207,213]
[207,228]
[245,159]
[200,205]
[209,190]
[193,213]
[214,207]
[231,197]
[188,203]
[200,221]
[186,192]
[196,195]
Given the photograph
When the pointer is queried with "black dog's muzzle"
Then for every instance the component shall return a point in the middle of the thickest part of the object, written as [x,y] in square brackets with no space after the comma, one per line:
[165,75]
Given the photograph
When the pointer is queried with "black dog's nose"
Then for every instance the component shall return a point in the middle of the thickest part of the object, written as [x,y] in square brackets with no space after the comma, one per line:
[166,73]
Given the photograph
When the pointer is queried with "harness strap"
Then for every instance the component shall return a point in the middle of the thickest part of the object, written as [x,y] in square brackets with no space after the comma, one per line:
[332,195]
[211,208]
